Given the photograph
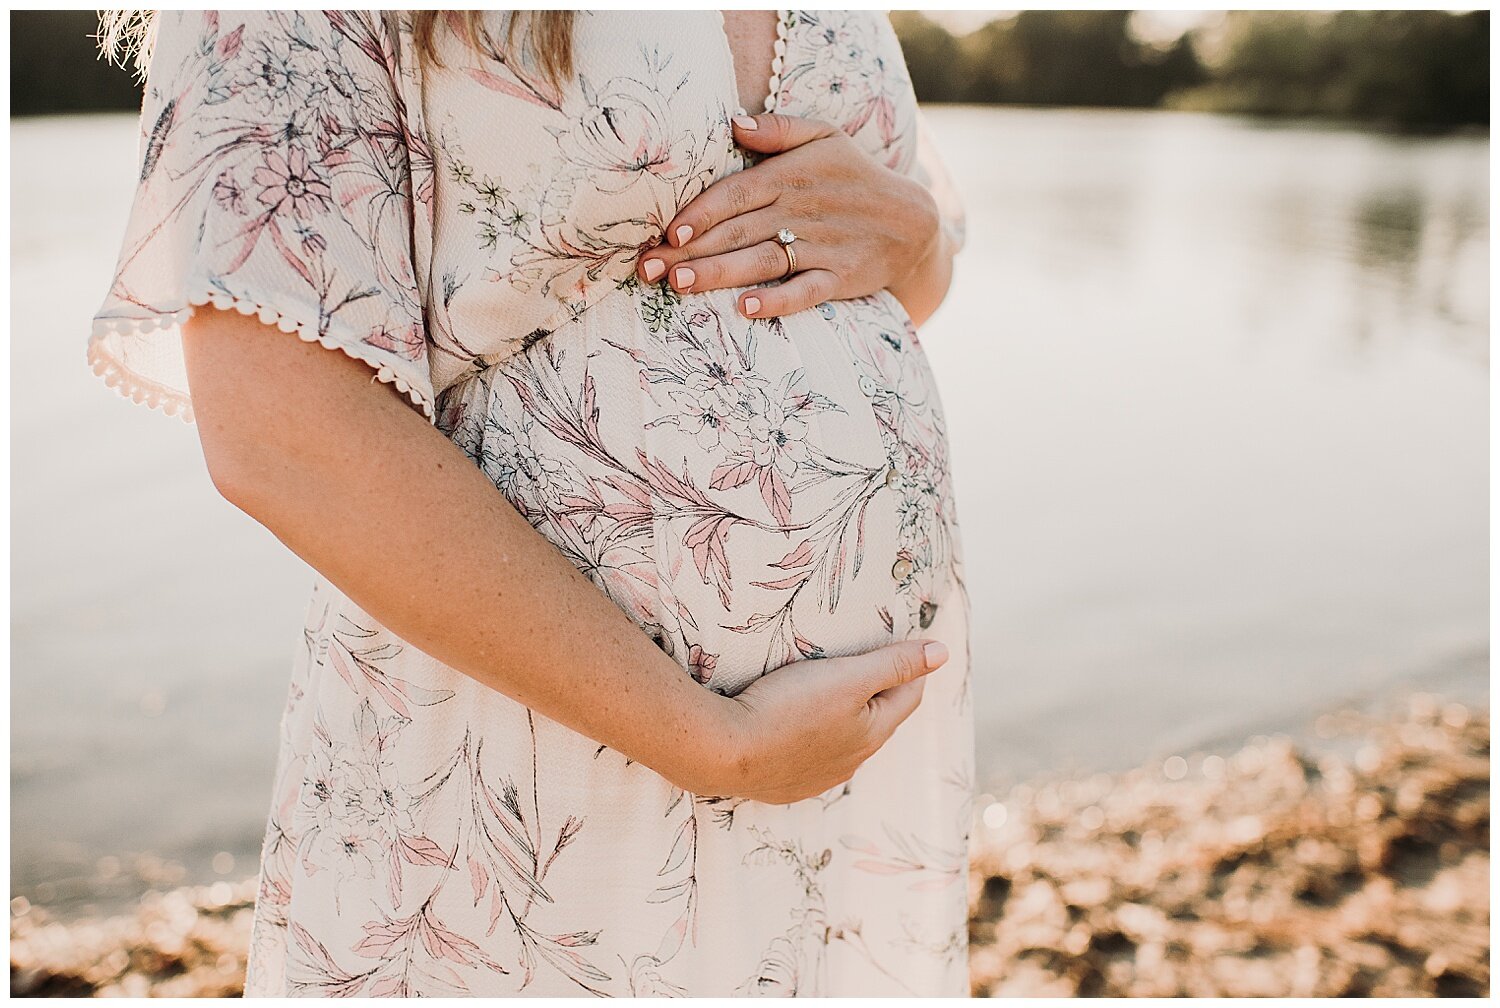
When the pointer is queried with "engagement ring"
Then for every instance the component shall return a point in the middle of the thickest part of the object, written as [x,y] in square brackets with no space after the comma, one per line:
[786,237]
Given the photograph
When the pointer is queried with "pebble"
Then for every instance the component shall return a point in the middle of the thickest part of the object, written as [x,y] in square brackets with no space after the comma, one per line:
[1269,872]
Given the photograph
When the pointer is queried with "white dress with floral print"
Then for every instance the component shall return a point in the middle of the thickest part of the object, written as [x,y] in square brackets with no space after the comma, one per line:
[751,493]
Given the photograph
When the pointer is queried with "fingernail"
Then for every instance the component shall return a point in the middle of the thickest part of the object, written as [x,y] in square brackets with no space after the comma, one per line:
[684,234]
[746,123]
[685,277]
[935,653]
[655,268]
[752,305]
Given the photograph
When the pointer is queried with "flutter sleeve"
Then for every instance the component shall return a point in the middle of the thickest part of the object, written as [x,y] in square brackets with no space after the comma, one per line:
[275,179]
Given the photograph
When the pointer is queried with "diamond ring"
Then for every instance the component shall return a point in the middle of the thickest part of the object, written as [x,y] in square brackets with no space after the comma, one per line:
[785,237]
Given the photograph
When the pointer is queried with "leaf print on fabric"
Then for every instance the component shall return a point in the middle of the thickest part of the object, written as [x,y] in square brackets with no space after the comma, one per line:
[313,971]
[505,863]
[362,668]
[414,953]
[681,859]
[949,947]
[911,855]
[561,952]
[646,980]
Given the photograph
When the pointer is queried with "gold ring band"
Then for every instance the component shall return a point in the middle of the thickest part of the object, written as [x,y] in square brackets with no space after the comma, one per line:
[784,238]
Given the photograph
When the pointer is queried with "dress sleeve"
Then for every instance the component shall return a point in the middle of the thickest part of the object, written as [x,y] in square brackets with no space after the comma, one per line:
[275,179]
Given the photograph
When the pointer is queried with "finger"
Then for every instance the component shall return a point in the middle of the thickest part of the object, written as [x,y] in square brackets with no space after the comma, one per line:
[731,196]
[801,290]
[654,263]
[760,262]
[900,663]
[772,133]
[890,708]
[738,233]
[735,233]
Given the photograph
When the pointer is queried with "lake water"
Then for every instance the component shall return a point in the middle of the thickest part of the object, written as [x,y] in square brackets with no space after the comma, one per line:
[1218,395]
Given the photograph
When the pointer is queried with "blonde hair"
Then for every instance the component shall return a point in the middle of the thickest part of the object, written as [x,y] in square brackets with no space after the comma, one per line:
[128,35]
[549,38]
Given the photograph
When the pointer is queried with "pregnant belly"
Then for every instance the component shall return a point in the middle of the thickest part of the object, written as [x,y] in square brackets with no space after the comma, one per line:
[750,492]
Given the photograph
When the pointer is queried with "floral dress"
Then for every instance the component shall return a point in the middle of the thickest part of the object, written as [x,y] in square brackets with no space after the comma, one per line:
[751,493]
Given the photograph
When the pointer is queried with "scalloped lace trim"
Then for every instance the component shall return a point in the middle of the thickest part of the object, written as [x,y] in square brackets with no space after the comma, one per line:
[778,61]
[172,402]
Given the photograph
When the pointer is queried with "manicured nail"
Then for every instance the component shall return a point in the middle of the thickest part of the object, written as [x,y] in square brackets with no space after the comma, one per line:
[752,305]
[654,269]
[746,123]
[935,654]
[685,277]
[684,234]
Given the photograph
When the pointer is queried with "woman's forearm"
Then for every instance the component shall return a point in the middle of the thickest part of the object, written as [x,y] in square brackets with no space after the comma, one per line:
[391,512]
[923,289]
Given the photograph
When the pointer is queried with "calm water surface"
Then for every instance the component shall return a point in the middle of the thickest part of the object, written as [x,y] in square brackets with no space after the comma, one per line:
[1218,402]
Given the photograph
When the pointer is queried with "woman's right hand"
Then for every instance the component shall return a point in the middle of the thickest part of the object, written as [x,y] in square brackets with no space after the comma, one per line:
[804,728]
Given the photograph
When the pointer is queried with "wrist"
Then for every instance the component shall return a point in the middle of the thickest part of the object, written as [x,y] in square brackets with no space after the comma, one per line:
[928,241]
[708,757]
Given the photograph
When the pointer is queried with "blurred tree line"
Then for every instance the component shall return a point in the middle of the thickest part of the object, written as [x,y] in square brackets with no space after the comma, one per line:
[1406,69]
[1411,69]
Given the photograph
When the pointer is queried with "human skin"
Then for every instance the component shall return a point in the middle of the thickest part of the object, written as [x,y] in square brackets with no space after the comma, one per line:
[860,226]
[346,472]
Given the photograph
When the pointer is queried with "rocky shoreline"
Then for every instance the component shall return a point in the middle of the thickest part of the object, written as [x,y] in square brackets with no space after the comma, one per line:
[1354,864]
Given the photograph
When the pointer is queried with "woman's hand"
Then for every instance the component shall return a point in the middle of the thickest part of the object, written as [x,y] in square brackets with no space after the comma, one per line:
[804,728]
[860,226]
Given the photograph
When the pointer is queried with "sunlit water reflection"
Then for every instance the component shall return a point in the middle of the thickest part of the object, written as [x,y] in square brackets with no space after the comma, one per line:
[1218,399]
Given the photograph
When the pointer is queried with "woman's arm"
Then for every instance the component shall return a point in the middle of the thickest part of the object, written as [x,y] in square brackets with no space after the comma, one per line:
[343,470]
[923,290]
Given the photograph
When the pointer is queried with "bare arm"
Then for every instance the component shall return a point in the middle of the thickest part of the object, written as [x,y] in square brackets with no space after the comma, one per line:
[925,287]
[345,472]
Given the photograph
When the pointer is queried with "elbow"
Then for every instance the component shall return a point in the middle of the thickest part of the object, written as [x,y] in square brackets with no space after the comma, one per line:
[245,459]
[236,476]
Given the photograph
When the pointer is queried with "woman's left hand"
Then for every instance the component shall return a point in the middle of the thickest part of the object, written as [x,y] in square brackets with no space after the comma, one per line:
[860,226]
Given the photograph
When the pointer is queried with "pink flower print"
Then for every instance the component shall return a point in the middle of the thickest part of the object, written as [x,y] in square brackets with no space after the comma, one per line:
[778,438]
[228,193]
[292,182]
[837,40]
[700,663]
[271,79]
[322,801]
[407,341]
[379,793]
[526,475]
[354,848]
[707,407]
[623,131]
[313,244]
